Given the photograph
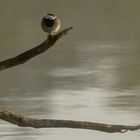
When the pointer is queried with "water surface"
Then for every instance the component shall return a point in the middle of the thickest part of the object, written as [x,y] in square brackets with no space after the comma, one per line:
[91,74]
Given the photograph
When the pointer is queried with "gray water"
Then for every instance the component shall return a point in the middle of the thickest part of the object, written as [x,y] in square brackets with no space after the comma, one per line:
[92,74]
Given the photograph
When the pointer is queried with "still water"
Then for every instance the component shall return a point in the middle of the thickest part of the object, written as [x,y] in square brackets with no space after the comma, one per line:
[92,74]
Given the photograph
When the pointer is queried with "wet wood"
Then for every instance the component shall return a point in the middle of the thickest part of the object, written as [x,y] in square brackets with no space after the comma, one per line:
[25,56]
[22,121]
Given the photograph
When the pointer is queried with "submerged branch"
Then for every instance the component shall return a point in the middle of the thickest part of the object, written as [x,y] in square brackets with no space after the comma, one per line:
[22,121]
[24,57]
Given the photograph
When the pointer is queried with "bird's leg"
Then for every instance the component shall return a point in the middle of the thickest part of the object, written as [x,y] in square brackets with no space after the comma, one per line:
[50,35]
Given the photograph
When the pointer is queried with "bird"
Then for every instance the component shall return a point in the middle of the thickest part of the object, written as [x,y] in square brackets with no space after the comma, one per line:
[50,24]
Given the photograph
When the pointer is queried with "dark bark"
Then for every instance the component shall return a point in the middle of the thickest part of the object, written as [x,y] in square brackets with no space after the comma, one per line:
[24,57]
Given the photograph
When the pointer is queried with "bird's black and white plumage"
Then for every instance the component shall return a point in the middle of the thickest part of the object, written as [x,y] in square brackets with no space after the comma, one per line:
[50,23]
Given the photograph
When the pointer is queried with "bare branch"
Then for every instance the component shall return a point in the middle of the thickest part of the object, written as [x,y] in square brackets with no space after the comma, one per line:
[22,121]
[24,57]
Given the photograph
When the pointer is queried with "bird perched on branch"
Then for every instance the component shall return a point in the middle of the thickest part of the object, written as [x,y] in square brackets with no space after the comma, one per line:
[50,24]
